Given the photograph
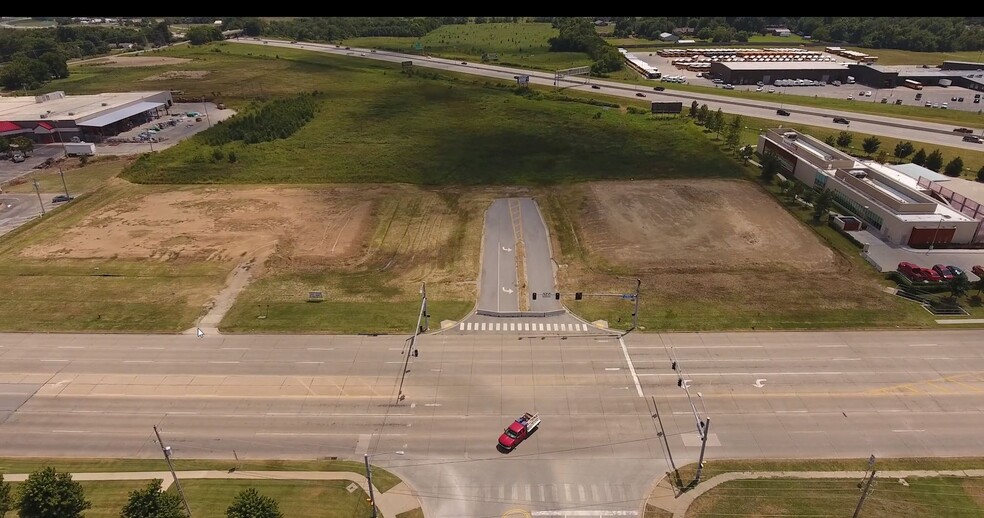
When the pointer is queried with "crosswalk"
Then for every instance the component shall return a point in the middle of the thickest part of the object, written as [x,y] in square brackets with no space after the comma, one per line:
[500,327]
[563,499]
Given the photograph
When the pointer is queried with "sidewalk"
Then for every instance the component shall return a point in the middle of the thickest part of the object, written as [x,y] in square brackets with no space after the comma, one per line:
[399,499]
[670,499]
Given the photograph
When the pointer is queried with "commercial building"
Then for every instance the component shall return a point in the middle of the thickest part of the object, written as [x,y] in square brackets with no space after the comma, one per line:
[892,203]
[55,117]
[750,72]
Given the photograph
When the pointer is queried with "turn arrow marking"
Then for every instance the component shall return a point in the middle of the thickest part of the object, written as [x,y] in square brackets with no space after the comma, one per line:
[759,382]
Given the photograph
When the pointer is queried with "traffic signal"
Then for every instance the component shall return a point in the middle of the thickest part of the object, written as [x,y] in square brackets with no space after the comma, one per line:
[679,382]
[557,296]
[578,295]
[673,365]
[534,295]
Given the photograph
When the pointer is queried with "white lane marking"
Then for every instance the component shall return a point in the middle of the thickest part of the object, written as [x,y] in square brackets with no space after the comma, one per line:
[151,348]
[791,411]
[701,347]
[320,434]
[69,431]
[332,349]
[905,431]
[822,373]
[432,404]
[138,361]
[628,360]
[847,359]
[311,362]
[829,346]
[922,345]
[223,362]
[71,347]
[461,326]
[235,348]
[55,360]
[613,368]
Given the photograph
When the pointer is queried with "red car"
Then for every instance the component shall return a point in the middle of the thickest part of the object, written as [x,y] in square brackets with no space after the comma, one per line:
[917,273]
[944,271]
[518,431]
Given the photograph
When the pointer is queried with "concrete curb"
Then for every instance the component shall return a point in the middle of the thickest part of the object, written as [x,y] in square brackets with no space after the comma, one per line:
[398,499]
[668,498]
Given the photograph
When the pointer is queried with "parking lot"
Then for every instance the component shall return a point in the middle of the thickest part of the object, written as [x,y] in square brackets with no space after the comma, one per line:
[934,95]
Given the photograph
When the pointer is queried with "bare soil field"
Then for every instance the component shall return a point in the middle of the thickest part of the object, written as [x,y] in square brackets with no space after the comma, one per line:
[214,224]
[707,252]
[135,61]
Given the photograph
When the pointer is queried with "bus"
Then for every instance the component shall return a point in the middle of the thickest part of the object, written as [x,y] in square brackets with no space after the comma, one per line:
[911,83]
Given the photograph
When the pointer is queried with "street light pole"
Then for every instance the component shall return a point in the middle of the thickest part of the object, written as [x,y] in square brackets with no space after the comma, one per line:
[37,189]
[935,235]
[65,185]
[205,106]
[372,495]
[167,456]
[703,444]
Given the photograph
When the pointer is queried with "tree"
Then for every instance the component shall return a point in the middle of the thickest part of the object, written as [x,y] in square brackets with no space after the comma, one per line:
[746,152]
[980,174]
[770,167]
[151,502]
[733,137]
[870,145]
[920,157]
[49,494]
[251,504]
[830,140]
[844,139]
[6,499]
[693,110]
[703,114]
[903,149]
[958,286]
[784,186]
[954,167]
[824,201]
[717,121]
[934,161]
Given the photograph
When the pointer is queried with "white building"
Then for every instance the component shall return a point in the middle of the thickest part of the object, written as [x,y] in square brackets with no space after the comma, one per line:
[892,203]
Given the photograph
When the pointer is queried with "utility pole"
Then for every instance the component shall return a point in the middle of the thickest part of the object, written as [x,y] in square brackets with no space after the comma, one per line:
[205,106]
[167,456]
[372,498]
[37,189]
[703,444]
[423,295]
[62,173]
[635,312]
[867,487]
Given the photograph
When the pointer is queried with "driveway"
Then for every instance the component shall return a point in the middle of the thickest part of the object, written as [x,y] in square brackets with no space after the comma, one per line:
[886,257]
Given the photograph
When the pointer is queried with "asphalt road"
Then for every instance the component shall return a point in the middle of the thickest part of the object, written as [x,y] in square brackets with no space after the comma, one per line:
[916,131]
[798,394]
[498,283]
[514,225]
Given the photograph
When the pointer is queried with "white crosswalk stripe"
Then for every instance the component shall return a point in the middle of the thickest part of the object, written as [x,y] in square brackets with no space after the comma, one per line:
[519,327]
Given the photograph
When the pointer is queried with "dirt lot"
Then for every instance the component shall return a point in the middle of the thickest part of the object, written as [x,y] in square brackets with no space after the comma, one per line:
[135,61]
[216,224]
[704,249]
[685,225]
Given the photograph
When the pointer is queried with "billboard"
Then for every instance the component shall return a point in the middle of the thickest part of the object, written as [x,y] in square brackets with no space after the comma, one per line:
[667,107]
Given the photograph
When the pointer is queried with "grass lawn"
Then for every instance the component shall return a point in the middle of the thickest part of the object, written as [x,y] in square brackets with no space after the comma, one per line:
[928,497]
[382,479]
[296,498]
[79,179]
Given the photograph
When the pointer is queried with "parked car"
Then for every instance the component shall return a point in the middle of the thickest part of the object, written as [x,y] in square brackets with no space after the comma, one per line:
[841,120]
[944,271]
[917,273]
[782,112]
[60,198]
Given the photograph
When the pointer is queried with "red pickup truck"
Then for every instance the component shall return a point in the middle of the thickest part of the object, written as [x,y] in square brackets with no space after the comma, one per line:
[519,430]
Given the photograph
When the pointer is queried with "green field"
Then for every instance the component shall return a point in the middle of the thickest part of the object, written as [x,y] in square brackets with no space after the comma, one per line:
[444,132]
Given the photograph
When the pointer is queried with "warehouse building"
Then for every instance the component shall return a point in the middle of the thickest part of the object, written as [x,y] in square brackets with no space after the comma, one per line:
[55,117]
[893,205]
[749,72]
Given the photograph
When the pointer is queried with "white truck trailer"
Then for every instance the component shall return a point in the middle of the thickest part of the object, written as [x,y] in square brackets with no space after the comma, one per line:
[80,148]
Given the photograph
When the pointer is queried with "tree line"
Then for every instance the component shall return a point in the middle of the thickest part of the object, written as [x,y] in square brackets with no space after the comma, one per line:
[49,494]
[919,34]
